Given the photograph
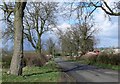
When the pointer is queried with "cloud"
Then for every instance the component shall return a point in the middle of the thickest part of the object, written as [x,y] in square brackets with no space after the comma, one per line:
[108,30]
[62,27]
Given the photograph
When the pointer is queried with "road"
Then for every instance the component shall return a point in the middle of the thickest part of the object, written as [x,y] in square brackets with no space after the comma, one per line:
[87,73]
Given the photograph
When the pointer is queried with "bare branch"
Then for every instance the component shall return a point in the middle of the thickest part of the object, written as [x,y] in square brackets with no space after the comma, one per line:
[110,12]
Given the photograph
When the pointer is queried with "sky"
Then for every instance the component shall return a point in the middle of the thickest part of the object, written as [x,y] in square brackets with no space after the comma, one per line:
[107,34]
[108,28]
[108,31]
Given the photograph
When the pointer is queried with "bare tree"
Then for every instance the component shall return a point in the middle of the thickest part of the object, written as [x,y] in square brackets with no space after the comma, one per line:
[39,18]
[66,42]
[18,10]
[85,25]
[50,44]
[80,36]
[8,19]
[102,4]
[114,11]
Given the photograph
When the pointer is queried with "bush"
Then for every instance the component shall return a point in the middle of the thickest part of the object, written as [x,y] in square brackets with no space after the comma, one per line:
[34,59]
[103,58]
[92,59]
[6,60]
[113,59]
[89,58]
[30,59]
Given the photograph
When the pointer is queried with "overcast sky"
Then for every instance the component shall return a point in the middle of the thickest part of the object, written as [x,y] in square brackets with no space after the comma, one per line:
[107,35]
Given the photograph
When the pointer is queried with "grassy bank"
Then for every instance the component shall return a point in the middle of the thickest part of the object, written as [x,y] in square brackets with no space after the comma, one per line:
[46,73]
[97,64]
[100,65]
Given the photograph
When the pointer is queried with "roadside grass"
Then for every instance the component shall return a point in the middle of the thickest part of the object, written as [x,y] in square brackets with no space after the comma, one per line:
[107,66]
[97,64]
[100,65]
[46,73]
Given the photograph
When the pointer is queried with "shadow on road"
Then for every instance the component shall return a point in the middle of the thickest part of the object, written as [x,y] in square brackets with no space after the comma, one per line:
[75,66]
[86,73]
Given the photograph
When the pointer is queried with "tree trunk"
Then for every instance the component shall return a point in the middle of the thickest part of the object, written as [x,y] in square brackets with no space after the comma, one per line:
[16,62]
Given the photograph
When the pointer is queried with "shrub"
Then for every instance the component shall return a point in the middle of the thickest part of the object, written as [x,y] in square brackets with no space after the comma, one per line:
[92,59]
[103,58]
[113,59]
[30,59]
[34,59]
[6,60]
[89,58]
[43,57]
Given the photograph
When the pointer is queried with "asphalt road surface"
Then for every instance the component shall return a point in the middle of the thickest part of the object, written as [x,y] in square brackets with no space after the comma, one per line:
[87,73]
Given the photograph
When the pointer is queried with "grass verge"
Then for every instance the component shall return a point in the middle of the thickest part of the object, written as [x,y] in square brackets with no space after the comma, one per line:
[46,73]
[107,66]
[99,65]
